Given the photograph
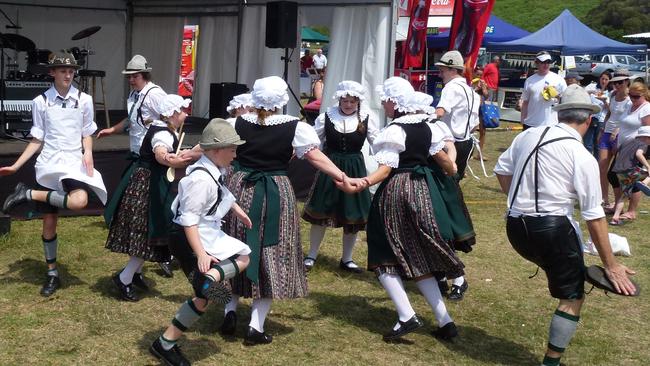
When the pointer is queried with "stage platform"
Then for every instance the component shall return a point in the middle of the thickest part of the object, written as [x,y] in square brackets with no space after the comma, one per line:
[109,155]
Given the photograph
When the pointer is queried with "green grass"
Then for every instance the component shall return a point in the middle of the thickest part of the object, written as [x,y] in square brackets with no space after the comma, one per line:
[503,319]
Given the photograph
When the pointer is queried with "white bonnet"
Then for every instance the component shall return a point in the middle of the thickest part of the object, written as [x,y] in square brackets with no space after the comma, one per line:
[269,93]
[421,102]
[351,88]
[240,101]
[173,103]
[398,91]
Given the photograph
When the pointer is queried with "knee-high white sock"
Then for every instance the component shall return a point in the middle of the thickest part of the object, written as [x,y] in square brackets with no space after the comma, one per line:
[232,305]
[260,308]
[431,292]
[316,234]
[458,281]
[349,240]
[395,289]
[126,276]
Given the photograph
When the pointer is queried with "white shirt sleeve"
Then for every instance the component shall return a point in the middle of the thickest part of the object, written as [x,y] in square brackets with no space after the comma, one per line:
[561,85]
[319,127]
[447,99]
[163,138]
[437,139]
[194,194]
[305,139]
[87,107]
[38,115]
[390,142]
[373,127]
[587,188]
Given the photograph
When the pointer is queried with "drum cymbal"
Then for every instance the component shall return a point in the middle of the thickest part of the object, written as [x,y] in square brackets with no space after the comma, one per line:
[16,42]
[86,32]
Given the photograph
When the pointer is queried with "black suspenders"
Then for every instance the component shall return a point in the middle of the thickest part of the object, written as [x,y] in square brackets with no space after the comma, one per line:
[535,152]
[212,209]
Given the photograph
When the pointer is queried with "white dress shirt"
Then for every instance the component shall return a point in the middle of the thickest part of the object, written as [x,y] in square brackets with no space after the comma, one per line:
[197,194]
[454,100]
[150,111]
[566,173]
[320,61]
[391,141]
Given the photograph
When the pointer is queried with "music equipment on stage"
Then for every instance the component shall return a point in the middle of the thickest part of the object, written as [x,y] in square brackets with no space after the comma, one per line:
[17,104]
[220,96]
[16,42]
[86,33]
[281,24]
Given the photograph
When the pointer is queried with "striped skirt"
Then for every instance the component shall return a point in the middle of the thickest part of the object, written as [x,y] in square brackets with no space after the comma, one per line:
[281,269]
[403,237]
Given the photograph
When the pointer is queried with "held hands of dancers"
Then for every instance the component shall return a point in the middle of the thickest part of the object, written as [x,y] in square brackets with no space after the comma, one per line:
[352,185]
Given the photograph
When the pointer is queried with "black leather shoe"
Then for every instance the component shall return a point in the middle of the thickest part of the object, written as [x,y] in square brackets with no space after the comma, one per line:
[50,286]
[126,291]
[404,328]
[17,197]
[229,324]
[173,357]
[346,266]
[446,333]
[166,268]
[458,291]
[443,286]
[216,291]
[254,337]
[138,281]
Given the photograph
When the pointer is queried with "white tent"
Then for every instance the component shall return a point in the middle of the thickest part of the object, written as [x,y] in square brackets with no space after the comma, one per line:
[231,41]
[638,35]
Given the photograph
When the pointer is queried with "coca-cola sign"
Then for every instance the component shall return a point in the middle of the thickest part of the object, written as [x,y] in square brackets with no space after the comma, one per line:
[437,8]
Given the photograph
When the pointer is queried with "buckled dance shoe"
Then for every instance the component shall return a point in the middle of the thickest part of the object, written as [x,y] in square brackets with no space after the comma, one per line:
[126,291]
[446,333]
[349,266]
[17,197]
[138,281]
[404,328]
[229,324]
[457,292]
[253,337]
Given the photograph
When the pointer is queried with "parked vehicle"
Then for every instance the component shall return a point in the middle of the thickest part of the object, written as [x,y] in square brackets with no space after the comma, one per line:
[602,63]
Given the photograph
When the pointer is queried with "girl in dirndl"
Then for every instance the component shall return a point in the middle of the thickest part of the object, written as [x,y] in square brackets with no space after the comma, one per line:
[342,130]
[405,239]
[260,184]
[142,220]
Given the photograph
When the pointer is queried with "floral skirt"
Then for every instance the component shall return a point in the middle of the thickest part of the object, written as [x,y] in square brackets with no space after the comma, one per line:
[129,233]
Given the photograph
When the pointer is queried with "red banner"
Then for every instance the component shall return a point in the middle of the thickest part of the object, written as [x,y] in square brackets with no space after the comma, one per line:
[416,42]
[467,29]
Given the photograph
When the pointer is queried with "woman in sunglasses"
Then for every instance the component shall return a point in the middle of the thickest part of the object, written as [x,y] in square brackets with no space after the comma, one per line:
[618,105]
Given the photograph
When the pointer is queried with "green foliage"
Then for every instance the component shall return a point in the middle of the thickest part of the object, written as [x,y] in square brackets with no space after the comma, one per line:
[535,14]
[612,18]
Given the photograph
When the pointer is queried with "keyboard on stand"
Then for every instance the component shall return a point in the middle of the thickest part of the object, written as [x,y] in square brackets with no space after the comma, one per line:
[18,104]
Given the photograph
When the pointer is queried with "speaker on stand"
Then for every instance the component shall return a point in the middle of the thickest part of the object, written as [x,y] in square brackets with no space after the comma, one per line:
[220,96]
[282,32]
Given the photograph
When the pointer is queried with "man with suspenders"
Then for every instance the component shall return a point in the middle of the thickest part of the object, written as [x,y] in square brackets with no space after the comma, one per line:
[544,171]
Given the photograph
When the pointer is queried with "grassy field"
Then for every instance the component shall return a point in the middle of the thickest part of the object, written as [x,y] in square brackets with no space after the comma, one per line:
[502,320]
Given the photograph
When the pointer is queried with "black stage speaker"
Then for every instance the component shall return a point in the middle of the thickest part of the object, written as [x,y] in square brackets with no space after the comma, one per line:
[281,24]
[220,96]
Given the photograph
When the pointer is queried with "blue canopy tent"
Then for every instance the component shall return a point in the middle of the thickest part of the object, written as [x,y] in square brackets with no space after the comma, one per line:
[497,30]
[567,36]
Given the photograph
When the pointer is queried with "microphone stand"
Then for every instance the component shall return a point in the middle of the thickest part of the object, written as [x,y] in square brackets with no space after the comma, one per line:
[285,75]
